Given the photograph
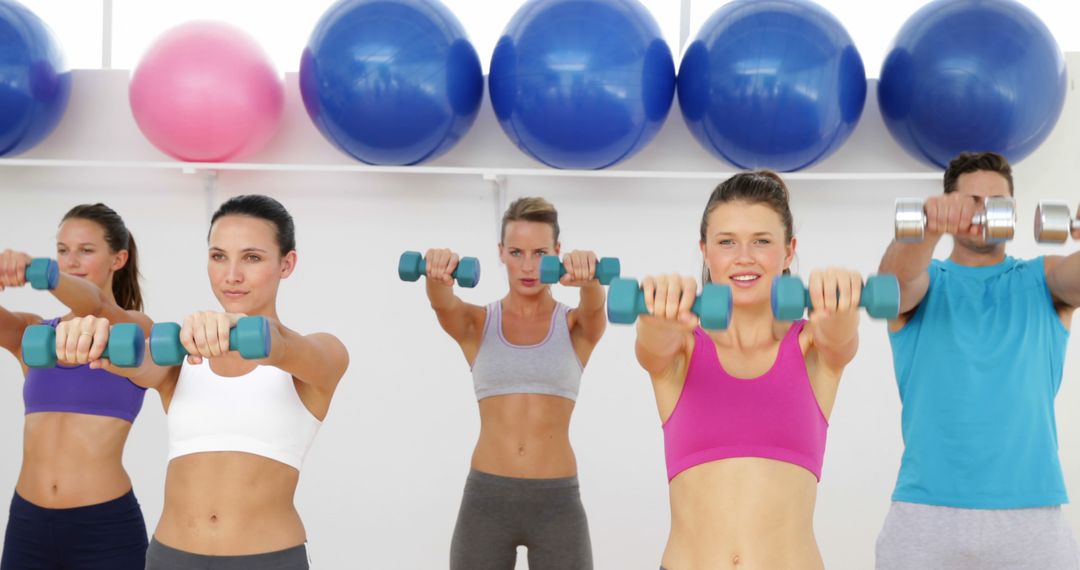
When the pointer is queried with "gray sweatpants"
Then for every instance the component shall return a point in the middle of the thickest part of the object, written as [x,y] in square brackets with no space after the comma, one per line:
[926,537]
[498,514]
[161,557]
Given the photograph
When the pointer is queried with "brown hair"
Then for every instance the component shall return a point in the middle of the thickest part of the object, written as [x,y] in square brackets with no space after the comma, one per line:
[755,187]
[125,283]
[531,210]
[262,208]
[967,162]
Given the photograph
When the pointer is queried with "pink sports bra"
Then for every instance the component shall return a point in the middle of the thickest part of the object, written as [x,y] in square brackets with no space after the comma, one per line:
[718,416]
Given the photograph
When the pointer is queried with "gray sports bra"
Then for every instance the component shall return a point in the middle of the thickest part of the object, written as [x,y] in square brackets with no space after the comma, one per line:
[550,367]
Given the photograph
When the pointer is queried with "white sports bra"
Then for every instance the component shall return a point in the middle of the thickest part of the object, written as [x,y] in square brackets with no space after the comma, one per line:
[259,413]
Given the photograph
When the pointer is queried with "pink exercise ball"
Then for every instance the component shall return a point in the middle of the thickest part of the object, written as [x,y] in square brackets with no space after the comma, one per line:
[206,92]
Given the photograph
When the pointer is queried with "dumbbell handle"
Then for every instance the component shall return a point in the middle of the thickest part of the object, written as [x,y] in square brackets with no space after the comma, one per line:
[422,270]
[809,304]
[978,219]
[412,266]
[43,273]
[39,345]
[880,296]
[641,309]
[911,219]
[167,350]
[600,264]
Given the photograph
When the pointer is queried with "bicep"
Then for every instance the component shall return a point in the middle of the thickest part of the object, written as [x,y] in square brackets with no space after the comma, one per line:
[825,383]
[668,382]
[463,322]
[149,375]
[834,359]
[667,361]
[117,315]
[912,293]
[1063,278]
[331,359]
[587,329]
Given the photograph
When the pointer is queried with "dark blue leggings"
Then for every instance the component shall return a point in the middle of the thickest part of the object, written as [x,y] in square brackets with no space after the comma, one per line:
[108,536]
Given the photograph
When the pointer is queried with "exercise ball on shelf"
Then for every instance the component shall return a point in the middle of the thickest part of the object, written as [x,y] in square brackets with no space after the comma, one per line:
[35,83]
[972,75]
[206,92]
[772,84]
[581,83]
[391,82]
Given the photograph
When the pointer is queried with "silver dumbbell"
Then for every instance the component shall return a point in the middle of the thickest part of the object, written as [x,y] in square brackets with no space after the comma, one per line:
[997,220]
[1054,222]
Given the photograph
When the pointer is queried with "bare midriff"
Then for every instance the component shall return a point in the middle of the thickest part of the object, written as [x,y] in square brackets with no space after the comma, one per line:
[525,436]
[230,503]
[72,460]
[743,513]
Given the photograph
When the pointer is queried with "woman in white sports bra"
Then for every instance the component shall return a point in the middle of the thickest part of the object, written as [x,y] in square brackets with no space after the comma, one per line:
[527,352]
[238,429]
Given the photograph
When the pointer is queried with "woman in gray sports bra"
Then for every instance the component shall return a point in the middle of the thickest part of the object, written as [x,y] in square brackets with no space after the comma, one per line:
[527,352]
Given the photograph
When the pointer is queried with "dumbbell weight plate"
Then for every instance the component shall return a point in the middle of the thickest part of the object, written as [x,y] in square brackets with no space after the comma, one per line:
[910,220]
[1053,222]
[999,219]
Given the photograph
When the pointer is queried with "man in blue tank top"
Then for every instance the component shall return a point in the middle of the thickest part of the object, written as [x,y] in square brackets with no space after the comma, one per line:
[979,349]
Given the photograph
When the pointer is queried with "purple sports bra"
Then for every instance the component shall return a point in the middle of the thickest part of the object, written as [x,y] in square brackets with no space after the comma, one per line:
[81,390]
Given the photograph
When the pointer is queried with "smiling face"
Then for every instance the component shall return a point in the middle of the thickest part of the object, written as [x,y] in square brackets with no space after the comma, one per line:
[82,251]
[245,264]
[746,247]
[524,244]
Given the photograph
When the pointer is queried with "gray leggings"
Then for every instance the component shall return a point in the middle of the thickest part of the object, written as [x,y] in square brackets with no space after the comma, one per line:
[161,557]
[498,514]
[926,537]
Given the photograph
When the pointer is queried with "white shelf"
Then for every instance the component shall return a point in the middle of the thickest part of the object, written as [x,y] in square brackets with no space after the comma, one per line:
[487,173]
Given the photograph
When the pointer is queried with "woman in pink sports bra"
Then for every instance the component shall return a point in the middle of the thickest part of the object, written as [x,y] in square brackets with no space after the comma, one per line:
[745,409]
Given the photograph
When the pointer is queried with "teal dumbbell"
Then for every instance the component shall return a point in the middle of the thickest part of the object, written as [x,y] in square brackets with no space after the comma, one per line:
[880,297]
[43,273]
[125,349]
[626,301]
[250,337]
[551,269]
[412,265]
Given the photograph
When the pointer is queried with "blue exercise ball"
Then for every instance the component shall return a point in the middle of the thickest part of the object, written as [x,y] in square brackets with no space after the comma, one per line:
[581,83]
[391,82]
[35,83]
[972,75]
[772,84]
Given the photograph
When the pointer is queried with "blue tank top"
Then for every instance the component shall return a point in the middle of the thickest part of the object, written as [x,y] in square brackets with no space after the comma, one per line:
[80,390]
[978,367]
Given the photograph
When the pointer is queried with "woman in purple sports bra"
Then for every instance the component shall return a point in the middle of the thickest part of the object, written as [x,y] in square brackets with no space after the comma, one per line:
[745,410]
[74,506]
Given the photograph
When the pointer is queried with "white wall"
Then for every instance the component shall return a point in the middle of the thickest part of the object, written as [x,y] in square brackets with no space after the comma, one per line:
[382,485]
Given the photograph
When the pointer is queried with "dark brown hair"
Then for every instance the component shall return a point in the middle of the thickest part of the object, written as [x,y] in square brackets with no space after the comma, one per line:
[755,187]
[531,210]
[125,282]
[967,162]
[262,208]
